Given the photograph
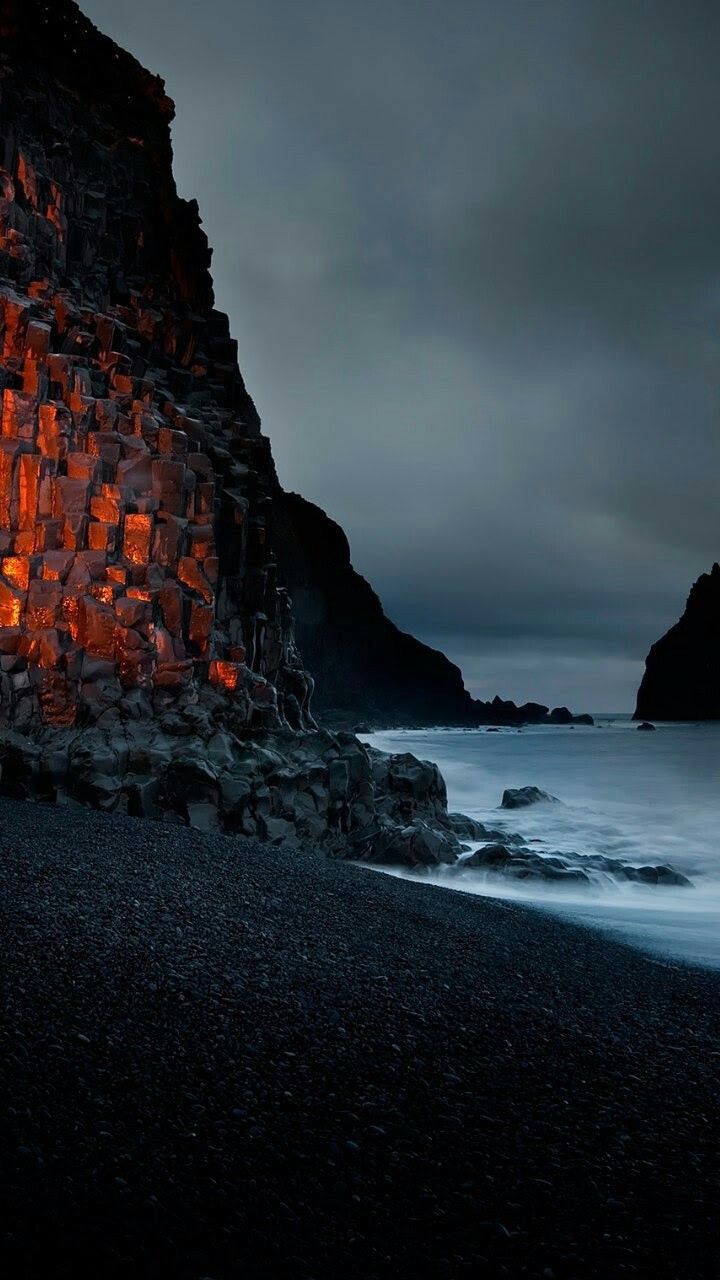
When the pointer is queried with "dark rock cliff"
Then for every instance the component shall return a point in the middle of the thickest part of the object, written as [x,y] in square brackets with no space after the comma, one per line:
[365,668]
[682,671]
[147,655]
[136,568]
[146,546]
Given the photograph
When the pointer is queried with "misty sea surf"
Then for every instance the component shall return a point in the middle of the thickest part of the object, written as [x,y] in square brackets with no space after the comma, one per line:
[643,798]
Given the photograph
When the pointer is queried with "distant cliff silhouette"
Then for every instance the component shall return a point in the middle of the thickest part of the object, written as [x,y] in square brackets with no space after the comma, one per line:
[364,666]
[682,671]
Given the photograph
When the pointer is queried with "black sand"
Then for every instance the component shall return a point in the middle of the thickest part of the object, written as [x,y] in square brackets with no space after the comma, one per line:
[219,1060]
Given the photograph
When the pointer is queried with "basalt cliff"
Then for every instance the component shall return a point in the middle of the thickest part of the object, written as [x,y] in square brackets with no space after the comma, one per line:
[149,657]
[682,671]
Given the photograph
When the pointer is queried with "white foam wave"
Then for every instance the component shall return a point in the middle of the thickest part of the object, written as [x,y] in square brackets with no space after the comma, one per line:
[644,799]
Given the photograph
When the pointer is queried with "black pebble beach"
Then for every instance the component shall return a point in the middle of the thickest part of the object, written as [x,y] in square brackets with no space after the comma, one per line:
[224,1060]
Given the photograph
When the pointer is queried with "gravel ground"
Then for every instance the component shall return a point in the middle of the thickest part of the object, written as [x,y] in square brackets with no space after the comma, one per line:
[222,1060]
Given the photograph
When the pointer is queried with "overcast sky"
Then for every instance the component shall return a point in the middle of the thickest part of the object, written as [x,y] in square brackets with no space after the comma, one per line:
[471,252]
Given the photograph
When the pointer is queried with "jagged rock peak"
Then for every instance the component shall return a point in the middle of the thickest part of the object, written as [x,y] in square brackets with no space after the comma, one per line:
[682,670]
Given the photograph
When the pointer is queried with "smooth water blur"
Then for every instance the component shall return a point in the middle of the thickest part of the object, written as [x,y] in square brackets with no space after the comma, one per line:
[641,797]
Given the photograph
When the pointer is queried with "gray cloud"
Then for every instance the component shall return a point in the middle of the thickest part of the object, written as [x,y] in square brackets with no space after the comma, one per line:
[470,252]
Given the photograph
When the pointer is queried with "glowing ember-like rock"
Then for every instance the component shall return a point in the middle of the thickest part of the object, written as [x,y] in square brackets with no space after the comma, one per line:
[16,569]
[227,674]
[12,605]
[138,537]
[135,487]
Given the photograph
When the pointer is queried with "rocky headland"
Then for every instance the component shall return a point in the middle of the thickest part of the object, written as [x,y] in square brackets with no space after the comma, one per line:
[149,649]
[682,670]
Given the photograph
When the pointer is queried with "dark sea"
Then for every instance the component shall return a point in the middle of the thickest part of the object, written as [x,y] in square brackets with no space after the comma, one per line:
[643,798]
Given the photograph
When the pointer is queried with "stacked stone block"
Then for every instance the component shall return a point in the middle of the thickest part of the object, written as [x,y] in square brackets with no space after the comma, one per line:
[136,565]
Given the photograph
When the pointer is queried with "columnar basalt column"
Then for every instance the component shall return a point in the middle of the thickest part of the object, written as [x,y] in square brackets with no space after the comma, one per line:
[135,545]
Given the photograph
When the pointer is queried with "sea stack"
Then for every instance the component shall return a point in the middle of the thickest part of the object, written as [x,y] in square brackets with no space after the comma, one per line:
[682,671]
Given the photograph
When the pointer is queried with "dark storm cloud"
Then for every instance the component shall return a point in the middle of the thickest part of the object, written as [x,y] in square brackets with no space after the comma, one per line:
[472,255]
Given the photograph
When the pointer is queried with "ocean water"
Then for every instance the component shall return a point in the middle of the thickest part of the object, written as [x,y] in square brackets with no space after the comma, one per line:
[644,798]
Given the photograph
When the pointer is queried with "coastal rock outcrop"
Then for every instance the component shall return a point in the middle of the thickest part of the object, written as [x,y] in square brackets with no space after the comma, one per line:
[146,547]
[511,859]
[192,766]
[682,670]
[149,662]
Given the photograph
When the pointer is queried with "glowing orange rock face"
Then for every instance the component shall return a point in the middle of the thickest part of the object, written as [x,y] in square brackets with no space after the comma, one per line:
[74,532]
[56,565]
[49,535]
[102,536]
[28,489]
[16,569]
[173,675]
[102,592]
[8,453]
[129,448]
[227,674]
[54,212]
[166,542]
[202,542]
[12,605]
[96,628]
[190,573]
[106,507]
[19,415]
[138,537]
[27,180]
[132,612]
[44,603]
[42,648]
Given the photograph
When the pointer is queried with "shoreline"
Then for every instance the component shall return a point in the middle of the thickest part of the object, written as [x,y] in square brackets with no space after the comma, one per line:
[642,800]
[221,1058]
